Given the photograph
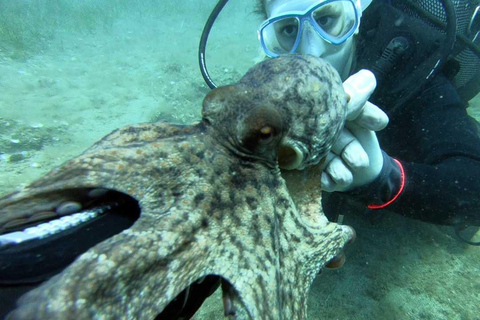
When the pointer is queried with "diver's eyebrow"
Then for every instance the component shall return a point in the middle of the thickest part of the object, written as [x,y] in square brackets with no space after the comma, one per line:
[286,21]
[330,8]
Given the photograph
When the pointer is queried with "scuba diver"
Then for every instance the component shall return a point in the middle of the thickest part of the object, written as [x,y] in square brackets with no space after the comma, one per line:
[424,61]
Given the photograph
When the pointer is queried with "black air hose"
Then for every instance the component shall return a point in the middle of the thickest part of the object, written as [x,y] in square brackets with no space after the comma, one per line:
[203,42]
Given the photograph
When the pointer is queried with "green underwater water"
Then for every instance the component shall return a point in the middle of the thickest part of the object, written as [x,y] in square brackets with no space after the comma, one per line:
[72,71]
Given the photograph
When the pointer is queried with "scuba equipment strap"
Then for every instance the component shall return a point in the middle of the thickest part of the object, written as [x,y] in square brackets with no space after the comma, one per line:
[407,42]
[437,60]
[403,51]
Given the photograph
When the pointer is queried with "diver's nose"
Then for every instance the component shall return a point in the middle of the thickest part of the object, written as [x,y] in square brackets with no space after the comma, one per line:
[311,42]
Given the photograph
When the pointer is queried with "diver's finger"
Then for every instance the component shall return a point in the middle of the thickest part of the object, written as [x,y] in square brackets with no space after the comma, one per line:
[344,139]
[327,183]
[355,156]
[349,149]
[372,117]
[330,156]
[359,87]
[339,173]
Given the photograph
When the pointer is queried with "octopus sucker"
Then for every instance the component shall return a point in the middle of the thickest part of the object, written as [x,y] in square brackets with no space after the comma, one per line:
[155,217]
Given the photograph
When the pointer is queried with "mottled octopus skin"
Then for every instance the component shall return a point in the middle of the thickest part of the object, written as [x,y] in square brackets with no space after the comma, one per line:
[212,199]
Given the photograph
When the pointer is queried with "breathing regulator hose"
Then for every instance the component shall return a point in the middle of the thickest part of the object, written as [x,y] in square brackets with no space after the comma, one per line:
[203,42]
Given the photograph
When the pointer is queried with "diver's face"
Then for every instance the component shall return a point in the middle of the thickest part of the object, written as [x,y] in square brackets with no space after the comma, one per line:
[334,20]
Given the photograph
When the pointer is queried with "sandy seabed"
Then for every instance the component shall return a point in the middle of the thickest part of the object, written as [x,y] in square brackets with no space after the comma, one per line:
[82,85]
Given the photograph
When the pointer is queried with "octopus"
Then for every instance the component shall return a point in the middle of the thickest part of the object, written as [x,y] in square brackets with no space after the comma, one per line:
[160,215]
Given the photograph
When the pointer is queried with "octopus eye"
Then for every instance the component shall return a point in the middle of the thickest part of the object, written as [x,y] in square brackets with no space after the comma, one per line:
[261,137]
[266,134]
[261,128]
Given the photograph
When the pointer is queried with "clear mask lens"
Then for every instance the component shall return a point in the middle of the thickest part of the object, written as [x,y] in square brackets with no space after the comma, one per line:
[334,21]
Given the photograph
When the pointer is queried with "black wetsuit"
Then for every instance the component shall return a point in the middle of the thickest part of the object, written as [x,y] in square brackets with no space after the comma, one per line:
[438,146]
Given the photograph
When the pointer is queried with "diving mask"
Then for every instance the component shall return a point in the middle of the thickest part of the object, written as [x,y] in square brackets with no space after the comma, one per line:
[334,20]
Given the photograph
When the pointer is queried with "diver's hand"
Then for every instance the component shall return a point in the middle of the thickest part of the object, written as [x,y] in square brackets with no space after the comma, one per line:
[356,158]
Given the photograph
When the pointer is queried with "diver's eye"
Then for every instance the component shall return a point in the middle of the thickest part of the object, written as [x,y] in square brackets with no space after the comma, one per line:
[326,22]
[266,134]
[289,31]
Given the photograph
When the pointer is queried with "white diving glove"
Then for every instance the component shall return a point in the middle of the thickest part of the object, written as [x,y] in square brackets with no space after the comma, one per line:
[356,158]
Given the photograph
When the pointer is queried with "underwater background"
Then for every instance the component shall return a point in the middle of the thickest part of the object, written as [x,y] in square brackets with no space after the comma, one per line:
[72,71]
